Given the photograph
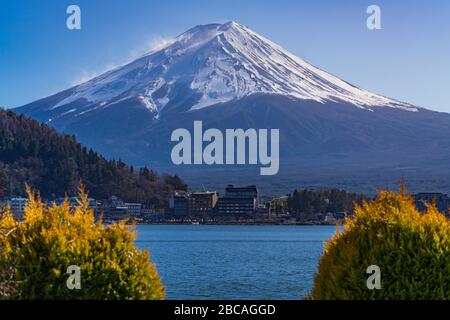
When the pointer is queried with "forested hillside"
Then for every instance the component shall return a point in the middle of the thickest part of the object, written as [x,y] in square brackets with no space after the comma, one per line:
[322,201]
[35,154]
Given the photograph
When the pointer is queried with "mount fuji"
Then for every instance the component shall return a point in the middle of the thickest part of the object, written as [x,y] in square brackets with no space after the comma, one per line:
[228,76]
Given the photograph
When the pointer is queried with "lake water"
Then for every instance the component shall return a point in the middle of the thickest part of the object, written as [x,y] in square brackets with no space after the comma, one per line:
[235,262]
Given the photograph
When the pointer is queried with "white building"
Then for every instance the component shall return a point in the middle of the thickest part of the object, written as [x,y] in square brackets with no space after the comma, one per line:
[133,209]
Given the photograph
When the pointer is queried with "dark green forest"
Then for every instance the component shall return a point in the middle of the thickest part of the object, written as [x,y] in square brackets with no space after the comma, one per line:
[322,201]
[55,164]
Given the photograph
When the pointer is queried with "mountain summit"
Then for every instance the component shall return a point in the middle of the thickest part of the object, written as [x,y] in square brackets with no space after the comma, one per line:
[212,64]
[228,76]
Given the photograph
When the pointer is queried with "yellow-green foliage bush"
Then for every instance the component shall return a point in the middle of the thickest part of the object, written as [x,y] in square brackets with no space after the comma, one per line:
[35,255]
[411,248]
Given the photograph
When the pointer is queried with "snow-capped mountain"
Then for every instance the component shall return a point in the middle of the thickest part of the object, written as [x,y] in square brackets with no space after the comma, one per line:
[216,63]
[228,76]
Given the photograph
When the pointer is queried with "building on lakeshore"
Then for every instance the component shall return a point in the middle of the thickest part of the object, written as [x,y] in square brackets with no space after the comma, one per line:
[114,201]
[202,203]
[113,209]
[17,206]
[148,211]
[179,203]
[238,201]
[113,214]
[279,206]
[183,204]
[242,201]
[134,209]
[242,192]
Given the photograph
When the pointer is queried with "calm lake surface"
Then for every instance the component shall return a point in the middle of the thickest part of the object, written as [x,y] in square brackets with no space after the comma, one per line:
[235,262]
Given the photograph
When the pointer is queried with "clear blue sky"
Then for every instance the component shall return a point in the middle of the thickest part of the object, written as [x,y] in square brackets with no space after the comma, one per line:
[409,59]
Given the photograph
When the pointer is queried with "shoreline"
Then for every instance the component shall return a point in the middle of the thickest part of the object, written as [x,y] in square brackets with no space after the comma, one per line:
[239,223]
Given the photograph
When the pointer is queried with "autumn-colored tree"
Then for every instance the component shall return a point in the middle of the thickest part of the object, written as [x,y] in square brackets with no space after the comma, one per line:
[36,253]
[411,249]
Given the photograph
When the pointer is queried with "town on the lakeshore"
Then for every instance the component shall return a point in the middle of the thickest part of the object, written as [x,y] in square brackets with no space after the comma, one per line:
[238,205]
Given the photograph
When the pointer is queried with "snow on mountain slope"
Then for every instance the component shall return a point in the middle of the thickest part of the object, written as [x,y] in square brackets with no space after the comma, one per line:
[212,64]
